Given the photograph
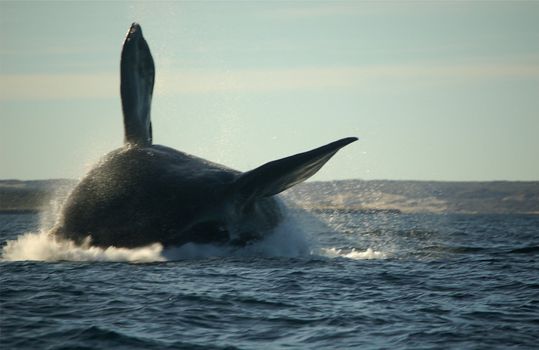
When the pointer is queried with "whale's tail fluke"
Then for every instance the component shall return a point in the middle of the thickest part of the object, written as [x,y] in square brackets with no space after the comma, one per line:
[137,78]
[278,175]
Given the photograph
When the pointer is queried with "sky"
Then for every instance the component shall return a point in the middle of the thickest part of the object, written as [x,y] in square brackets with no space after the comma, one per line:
[436,90]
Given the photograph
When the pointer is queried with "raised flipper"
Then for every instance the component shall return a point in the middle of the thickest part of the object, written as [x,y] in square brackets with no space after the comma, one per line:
[278,175]
[137,78]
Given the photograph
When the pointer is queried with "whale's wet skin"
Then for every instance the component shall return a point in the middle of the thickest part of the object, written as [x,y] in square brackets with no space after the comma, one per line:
[145,193]
[138,196]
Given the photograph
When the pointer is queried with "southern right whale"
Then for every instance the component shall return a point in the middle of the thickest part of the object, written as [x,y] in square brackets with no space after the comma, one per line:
[143,193]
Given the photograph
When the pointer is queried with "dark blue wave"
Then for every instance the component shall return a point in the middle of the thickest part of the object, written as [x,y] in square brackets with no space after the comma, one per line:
[444,283]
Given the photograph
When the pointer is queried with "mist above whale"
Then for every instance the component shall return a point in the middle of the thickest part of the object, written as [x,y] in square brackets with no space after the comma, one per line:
[143,193]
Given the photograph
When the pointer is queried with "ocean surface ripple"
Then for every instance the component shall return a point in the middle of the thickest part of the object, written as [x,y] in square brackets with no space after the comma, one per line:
[369,281]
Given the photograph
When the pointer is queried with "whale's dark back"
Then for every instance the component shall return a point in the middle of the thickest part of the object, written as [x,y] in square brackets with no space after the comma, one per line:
[144,193]
[137,196]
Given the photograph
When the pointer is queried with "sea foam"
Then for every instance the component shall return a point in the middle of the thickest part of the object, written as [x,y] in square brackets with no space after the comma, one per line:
[287,240]
[295,237]
[43,246]
[355,254]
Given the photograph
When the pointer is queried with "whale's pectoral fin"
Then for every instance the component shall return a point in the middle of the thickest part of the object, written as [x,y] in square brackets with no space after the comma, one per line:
[137,78]
[276,176]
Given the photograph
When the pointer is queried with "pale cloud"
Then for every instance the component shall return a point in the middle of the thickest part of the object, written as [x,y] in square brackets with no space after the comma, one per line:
[68,86]
[52,50]
[331,78]
[57,86]
[319,10]
[316,10]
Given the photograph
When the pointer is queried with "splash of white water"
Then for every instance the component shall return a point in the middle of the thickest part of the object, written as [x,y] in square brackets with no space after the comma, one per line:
[43,246]
[353,254]
[287,240]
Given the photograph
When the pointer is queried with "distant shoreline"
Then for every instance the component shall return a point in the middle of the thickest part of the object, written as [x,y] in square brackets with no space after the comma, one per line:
[342,196]
[19,211]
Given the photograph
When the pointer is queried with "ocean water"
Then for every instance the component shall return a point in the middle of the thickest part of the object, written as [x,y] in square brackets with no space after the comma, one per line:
[331,281]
